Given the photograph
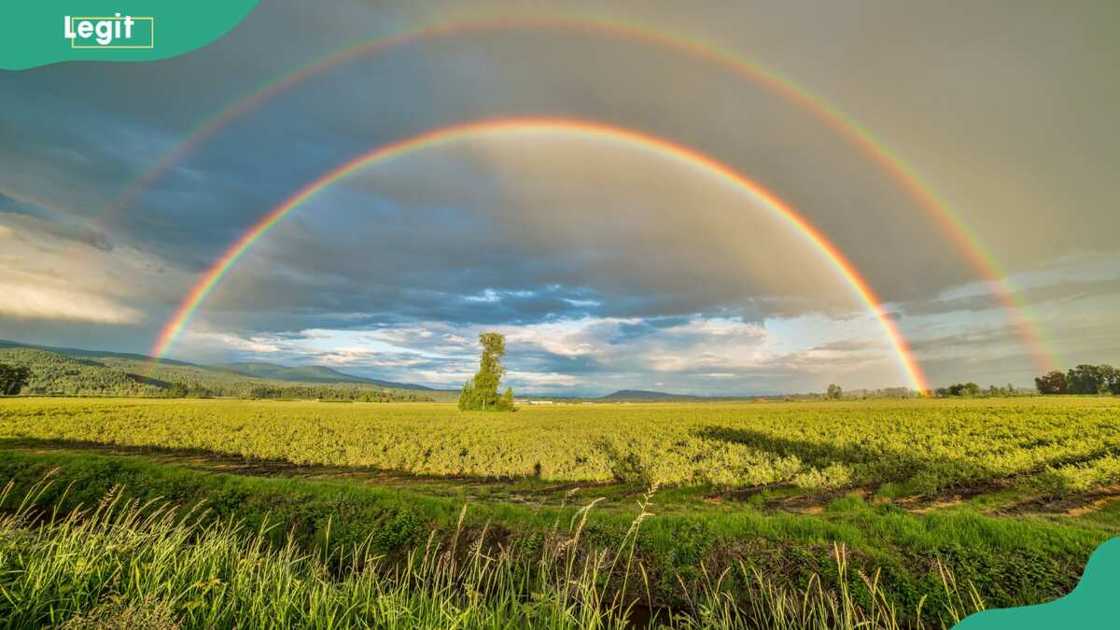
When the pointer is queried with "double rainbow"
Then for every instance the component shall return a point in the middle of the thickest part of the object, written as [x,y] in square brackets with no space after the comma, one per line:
[595,130]
[861,138]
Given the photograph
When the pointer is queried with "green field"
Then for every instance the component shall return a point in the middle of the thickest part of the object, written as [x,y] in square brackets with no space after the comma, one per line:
[917,447]
[1007,496]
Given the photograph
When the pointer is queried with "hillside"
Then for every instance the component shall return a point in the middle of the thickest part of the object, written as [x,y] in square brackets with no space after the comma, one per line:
[53,373]
[82,353]
[311,374]
[75,372]
[641,395]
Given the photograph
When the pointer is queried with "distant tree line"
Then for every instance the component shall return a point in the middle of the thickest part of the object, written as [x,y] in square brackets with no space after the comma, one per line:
[332,392]
[835,392]
[1083,379]
[278,390]
[972,390]
[956,390]
[295,391]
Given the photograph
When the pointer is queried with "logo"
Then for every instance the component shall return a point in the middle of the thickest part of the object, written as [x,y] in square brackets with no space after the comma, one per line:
[112,32]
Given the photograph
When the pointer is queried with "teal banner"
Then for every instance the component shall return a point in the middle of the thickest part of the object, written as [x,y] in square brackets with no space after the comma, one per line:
[40,32]
[1092,604]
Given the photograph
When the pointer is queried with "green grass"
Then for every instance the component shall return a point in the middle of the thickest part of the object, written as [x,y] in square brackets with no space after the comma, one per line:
[909,489]
[1010,561]
[123,563]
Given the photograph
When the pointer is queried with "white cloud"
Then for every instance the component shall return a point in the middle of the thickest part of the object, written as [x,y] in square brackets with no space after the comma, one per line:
[29,296]
[587,336]
[544,380]
[257,344]
[51,271]
[700,354]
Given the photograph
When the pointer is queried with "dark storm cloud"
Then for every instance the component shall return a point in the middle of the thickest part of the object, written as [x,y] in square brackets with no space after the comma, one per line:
[974,340]
[1062,292]
[80,138]
[57,223]
[220,189]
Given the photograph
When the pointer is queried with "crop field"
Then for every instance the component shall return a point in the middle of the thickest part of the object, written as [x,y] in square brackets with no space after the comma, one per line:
[901,447]
[760,513]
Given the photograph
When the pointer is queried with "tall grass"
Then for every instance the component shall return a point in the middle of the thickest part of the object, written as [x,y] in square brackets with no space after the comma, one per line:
[126,564]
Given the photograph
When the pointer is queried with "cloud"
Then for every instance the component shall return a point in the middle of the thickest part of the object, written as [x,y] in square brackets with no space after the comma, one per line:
[575,356]
[49,271]
[530,238]
[55,221]
[31,297]
[1063,280]
[255,345]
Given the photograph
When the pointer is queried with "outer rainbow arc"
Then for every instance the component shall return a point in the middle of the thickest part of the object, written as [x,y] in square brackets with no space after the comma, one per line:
[843,266]
[966,241]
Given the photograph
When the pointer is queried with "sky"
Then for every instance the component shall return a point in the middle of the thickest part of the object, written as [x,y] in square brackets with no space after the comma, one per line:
[607,265]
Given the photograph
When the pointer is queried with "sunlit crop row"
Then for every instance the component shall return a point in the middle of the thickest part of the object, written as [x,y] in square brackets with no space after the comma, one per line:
[924,445]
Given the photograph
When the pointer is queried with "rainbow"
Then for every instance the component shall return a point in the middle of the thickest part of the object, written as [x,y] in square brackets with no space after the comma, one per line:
[951,224]
[444,135]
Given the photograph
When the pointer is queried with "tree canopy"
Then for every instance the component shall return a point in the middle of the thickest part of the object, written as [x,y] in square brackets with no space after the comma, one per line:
[1083,379]
[13,379]
[481,392]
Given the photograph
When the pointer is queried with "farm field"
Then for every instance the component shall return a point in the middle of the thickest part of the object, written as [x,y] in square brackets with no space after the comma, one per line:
[1009,496]
[903,448]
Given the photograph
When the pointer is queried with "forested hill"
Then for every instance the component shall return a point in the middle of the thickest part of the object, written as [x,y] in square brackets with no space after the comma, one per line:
[73,372]
[312,374]
[53,373]
[641,395]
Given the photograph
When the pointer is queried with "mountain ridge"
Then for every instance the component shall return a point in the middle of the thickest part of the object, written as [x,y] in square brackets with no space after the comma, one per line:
[645,394]
[133,366]
[310,374]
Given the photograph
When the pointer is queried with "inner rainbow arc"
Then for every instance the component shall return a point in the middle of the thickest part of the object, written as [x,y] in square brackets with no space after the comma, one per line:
[213,276]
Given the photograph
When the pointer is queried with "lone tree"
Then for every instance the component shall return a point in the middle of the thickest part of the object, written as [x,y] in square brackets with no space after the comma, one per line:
[13,379]
[834,392]
[481,392]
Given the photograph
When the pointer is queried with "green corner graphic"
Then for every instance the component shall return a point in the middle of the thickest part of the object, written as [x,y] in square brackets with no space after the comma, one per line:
[51,31]
[1092,604]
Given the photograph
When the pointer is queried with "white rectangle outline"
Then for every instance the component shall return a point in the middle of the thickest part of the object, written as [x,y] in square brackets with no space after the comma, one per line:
[151,19]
